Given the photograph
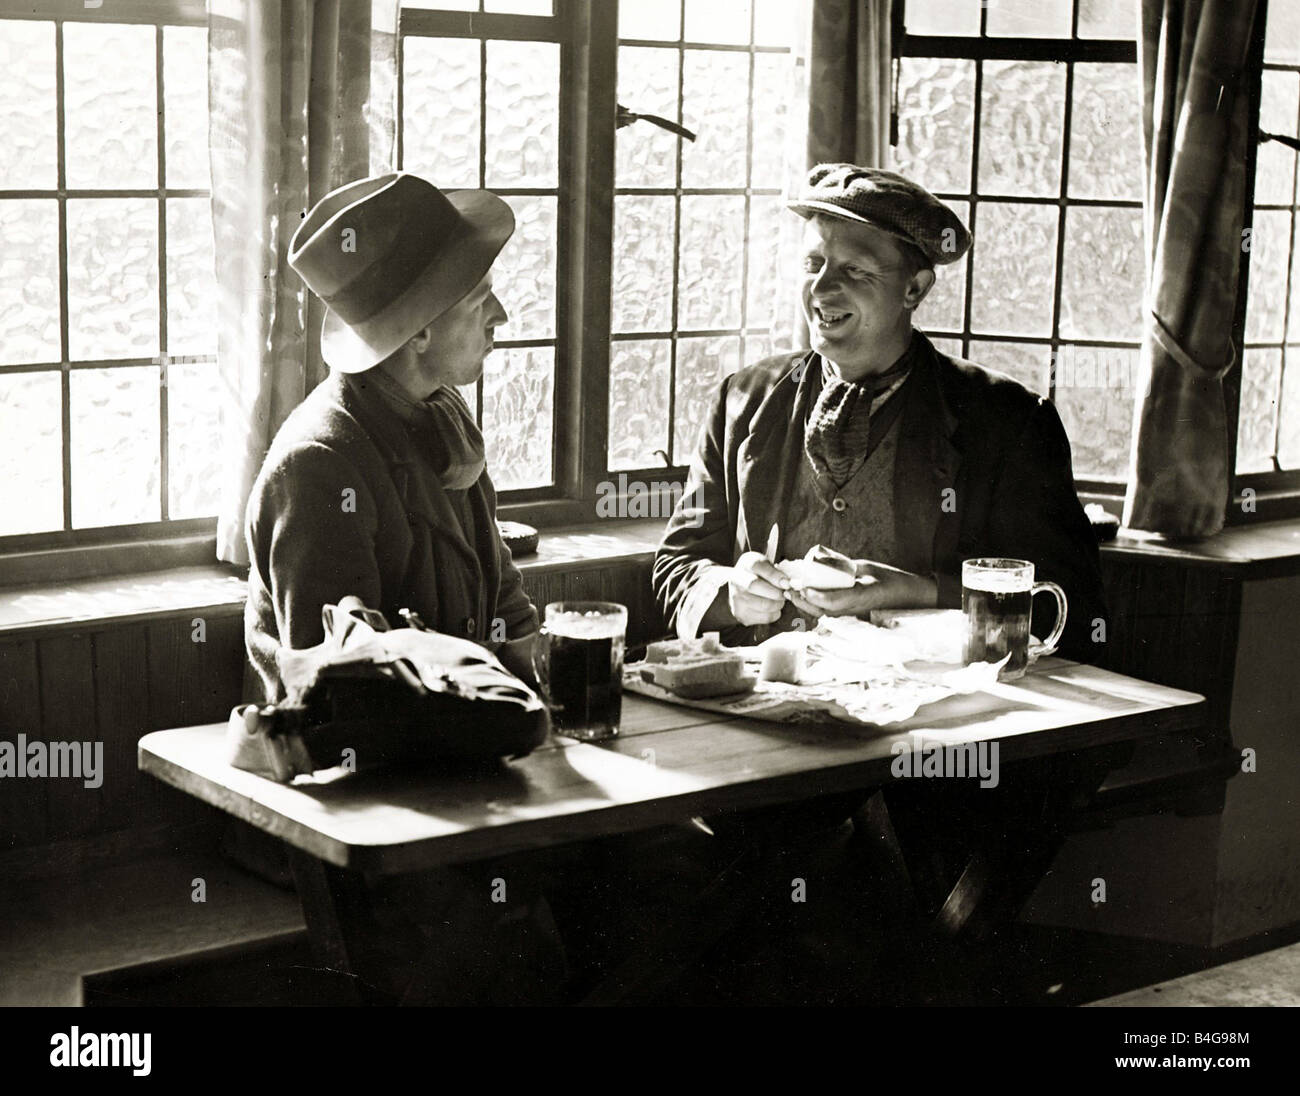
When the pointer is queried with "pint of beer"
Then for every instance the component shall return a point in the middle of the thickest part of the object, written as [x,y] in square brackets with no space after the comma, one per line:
[580,667]
[996,596]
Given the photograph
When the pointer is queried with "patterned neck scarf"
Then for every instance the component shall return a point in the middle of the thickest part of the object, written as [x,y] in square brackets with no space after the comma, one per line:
[442,427]
[847,420]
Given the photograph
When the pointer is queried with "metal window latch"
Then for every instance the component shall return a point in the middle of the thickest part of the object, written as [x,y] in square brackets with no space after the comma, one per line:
[1290,142]
[627,117]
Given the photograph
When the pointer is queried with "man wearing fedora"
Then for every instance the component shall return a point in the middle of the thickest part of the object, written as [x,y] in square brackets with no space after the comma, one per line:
[376,485]
[873,443]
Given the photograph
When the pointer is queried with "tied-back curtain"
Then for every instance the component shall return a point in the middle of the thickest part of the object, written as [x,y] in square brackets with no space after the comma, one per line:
[848,83]
[849,59]
[1195,117]
[302,97]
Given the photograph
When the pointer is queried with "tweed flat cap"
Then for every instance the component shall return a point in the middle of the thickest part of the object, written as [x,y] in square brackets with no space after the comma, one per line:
[887,201]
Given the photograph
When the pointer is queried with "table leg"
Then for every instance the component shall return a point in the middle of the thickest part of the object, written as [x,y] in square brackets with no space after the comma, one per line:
[337,911]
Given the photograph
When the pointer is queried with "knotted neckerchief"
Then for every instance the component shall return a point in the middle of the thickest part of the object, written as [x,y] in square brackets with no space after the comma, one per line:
[442,427]
[850,418]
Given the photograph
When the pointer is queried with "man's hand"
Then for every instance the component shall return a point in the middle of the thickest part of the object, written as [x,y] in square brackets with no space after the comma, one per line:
[878,586]
[756,592]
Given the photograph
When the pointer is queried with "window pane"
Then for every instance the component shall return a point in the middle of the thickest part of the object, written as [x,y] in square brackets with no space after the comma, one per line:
[27,124]
[191,285]
[445,5]
[518,390]
[1102,273]
[936,117]
[114,446]
[1029,363]
[1108,18]
[519,7]
[440,110]
[1261,375]
[643,264]
[194,402]
[1279,108]
[945,305]
[31,453]
[185,89]
[701,365]
[1106,133]
[1020,128]
[1270,240]
[524,275]
[660,21]
[1293,323]
[647,84]
[711,261]
[778,22]
[756,348]
[638,403]
[1029,19]
[112,278]
[951,347]
[1282,34]
[768,292]
[1015,257]
[523,110]
[722,21]
[111,104]
[943,16]
[29,281]
[773,73]
[715,104]
[1288,434]
[1094,395]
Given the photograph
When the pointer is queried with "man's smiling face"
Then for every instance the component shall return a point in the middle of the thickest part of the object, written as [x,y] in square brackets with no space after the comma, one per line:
[859,290]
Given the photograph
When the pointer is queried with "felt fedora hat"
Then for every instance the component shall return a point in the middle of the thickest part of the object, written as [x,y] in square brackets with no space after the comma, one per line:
[389,254]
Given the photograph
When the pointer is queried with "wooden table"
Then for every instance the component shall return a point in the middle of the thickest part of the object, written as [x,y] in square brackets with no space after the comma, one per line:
[669,764]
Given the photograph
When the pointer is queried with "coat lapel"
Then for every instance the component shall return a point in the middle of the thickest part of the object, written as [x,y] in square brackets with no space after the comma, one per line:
[926,519]
[765,457]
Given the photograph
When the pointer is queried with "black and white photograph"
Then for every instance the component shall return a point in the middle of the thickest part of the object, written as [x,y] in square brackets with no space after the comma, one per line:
[650,503]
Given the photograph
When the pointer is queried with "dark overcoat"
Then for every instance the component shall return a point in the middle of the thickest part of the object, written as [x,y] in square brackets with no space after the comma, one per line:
[349,502]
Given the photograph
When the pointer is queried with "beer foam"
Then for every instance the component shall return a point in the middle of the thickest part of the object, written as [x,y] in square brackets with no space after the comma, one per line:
[998,582]
[585,626]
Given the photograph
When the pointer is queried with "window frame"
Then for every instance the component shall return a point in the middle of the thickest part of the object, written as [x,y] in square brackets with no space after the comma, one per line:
[587,34]
[1276,493]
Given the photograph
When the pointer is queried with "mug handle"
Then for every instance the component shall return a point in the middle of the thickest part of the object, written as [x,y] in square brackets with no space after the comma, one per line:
[542,664]
[1048,646]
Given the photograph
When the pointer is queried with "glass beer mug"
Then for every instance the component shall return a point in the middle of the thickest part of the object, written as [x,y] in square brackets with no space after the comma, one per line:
[997,597]
[579,664]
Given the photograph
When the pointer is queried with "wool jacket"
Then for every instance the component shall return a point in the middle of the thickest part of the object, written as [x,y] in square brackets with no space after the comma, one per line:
[983,469]
[349,502]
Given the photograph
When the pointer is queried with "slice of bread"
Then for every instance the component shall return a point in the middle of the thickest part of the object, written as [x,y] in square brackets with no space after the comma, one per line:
[821,569]
[695,667]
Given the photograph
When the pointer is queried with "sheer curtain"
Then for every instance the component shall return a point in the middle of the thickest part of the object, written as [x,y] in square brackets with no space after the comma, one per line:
[302,98]
[1195,114]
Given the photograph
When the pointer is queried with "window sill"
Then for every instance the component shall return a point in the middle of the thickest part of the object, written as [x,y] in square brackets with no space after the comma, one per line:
[218,589]
[215,589]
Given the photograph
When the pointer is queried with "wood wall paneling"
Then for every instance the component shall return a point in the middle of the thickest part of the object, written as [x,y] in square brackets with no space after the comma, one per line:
[22,802]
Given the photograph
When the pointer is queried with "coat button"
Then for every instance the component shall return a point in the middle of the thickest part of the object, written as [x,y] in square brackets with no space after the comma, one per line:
[470,625]
[838,505]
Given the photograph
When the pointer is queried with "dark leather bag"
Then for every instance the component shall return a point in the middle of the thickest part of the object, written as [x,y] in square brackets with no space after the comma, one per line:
[371,696]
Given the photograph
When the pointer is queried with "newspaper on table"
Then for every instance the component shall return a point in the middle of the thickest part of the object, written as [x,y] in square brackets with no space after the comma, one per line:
[854,671]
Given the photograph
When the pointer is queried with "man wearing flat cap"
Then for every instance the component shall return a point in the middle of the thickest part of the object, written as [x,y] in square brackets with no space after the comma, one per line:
[376,485]
[872,443]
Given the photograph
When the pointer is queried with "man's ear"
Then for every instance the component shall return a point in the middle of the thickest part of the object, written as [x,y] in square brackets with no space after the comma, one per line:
[420,341]
[921,283]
